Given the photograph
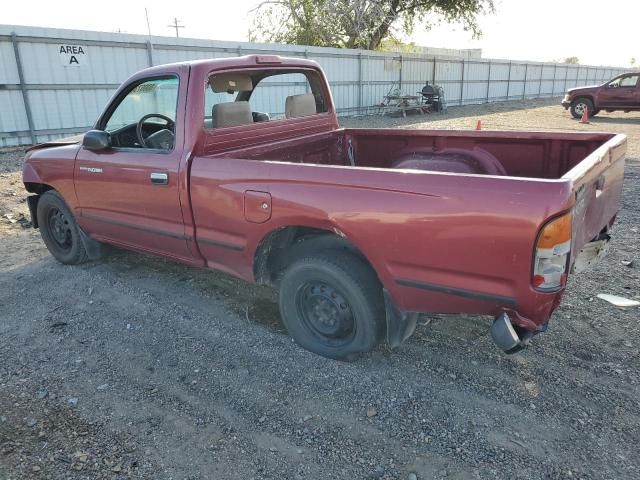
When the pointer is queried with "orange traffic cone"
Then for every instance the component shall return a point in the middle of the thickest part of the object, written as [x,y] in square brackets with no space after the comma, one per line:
[479,125]
[585,115]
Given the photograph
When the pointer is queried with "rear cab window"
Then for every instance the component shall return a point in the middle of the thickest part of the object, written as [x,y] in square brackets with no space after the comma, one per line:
[248,97]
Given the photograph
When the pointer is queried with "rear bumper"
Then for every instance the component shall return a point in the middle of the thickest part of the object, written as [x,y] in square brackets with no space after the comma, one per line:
[517,319]
[509,338]
[527,307]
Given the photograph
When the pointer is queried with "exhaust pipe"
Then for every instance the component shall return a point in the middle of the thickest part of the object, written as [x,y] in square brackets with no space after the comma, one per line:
[505,335]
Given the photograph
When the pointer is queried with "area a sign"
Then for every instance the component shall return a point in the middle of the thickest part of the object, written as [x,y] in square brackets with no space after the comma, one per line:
[72,55]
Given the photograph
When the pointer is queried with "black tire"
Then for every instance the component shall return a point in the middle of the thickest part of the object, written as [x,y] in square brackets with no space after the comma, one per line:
[59,229]
[578,106]
[331,304]
[594,113]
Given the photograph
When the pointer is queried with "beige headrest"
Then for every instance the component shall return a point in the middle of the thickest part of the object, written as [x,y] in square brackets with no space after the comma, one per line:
[300,105]
[231,114]
[231,82]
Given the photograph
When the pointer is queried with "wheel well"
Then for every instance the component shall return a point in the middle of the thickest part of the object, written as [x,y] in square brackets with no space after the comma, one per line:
[38,188]
[32,200]
[586,97]
[279,248]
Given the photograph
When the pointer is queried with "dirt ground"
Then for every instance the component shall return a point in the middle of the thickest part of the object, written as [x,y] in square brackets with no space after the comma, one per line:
[133,367]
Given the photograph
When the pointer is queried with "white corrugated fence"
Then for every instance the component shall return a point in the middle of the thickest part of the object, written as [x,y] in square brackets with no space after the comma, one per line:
[56,82]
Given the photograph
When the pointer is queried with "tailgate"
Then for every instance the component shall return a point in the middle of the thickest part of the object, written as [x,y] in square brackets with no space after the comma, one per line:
[597,185]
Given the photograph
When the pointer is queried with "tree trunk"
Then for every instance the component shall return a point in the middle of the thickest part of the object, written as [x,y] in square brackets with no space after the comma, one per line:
[383,29]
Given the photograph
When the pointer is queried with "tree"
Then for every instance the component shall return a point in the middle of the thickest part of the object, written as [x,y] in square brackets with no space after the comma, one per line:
[392,44]
[572,60]
[633,62]
[357,23]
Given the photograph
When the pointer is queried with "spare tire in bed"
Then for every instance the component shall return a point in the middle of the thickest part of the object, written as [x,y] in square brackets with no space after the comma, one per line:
[451,160]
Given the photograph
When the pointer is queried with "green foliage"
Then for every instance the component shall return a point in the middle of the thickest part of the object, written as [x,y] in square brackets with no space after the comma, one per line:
[572,60]
[392,44]
[357,23]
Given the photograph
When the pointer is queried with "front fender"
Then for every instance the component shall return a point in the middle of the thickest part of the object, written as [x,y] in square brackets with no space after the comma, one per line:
[51,168]
[30,175]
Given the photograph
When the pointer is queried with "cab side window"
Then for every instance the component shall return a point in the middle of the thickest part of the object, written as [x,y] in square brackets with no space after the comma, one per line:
[146,115]
[630,81]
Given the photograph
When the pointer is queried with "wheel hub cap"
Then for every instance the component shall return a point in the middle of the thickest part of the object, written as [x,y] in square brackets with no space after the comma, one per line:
[59,228]
[325,310]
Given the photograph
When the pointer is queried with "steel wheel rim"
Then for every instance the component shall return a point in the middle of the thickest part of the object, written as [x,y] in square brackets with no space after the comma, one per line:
[59,229]
[326,313]
[580,108]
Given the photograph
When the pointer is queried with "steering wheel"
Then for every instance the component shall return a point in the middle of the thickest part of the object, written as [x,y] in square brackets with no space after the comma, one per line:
[170,126]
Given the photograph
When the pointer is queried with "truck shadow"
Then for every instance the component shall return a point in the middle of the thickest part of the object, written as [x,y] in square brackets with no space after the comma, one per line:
[259,304]
[254,303]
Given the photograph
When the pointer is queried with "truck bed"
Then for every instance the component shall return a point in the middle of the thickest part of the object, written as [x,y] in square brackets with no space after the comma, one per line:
[514,154]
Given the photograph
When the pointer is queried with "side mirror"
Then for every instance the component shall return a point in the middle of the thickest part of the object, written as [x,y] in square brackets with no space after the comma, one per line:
[96,140]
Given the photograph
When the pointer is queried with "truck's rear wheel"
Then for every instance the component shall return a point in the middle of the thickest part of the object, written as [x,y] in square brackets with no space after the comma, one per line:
[579,105]
[332,304]
[59,229]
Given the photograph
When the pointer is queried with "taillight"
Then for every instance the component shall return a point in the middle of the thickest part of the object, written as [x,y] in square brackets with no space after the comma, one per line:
[552,254]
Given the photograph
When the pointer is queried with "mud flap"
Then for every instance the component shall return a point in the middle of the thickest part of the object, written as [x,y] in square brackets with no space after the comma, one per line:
[94,249]
[400,325]
[32,202]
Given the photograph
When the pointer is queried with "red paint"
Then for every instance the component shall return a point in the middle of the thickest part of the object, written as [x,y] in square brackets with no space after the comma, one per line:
[257,206]
[607,96]
[474,232]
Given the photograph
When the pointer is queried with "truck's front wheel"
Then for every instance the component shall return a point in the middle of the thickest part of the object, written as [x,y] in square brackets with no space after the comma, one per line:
[332,304]
[579,105]
[59,230]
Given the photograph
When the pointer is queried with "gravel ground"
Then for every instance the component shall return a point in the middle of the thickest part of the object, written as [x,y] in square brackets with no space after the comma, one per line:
[133,367]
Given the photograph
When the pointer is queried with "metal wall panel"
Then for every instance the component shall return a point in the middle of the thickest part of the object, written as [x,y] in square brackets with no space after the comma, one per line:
[8,69]
[65,99]
[13,115]
[417,71]
[476,71]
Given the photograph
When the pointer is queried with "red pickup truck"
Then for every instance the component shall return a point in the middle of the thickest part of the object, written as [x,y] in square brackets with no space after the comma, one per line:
[620,93]
[238,164]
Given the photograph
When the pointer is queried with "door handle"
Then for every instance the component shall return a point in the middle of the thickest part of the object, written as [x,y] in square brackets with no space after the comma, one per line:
[159,178]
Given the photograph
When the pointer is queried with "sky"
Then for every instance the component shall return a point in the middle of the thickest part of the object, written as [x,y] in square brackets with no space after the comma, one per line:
[595,31]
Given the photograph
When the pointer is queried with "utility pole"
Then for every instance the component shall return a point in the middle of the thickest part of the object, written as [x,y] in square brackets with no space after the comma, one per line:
[146,14]
[176,25]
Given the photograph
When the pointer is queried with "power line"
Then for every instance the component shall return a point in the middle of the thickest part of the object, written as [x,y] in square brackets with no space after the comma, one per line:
[176,25]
